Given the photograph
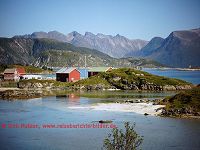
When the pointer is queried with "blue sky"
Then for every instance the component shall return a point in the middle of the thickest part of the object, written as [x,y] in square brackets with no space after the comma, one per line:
[141,19]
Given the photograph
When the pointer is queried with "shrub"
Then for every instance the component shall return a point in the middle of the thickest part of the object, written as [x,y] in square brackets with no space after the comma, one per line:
[118,140]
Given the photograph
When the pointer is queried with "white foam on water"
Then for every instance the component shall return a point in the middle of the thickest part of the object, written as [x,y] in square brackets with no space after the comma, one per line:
[140,108]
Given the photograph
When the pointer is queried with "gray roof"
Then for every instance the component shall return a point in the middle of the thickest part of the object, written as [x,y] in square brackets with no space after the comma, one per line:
[10,70]
[66,70]
[99,69]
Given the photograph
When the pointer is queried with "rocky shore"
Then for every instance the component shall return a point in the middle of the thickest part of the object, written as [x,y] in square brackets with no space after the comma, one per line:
[20,94]
[179,113]
[146,86]
[185,104]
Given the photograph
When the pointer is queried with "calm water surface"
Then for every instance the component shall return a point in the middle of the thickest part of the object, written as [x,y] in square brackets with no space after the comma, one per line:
[159,133]
[190,76]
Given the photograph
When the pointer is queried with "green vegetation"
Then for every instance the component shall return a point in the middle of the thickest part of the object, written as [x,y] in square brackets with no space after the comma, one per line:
[28,68]
[148,63]
[129,79]
[93,80]
[184,102]
[119,140]
[3,67]
[8,84]
[137,76]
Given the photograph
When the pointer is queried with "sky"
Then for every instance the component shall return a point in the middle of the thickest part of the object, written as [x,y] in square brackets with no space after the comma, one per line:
[135,19]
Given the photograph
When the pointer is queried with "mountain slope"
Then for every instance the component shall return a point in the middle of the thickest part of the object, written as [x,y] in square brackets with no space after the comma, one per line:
[32,51]
[115,46]
[16,51]
[48,52]
[179,49]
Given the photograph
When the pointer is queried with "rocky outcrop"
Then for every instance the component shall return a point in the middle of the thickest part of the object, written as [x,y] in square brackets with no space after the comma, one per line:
[151,87]
[169,88]
[35,85]
[20,94]
[183,104]
[95,87]
[181,112]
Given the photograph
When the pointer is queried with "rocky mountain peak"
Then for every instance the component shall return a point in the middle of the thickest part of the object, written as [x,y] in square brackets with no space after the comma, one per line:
[89,34]
[115,46]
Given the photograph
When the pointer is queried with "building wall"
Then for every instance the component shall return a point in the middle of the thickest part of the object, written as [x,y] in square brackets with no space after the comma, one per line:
[74,76]
[27,77]
[83,73]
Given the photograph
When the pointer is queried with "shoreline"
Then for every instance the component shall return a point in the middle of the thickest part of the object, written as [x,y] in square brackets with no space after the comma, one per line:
[144,107]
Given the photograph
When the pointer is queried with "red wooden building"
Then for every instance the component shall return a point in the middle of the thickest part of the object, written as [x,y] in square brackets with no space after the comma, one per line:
[14,73]
[21,71]
[11,74]
[68,75]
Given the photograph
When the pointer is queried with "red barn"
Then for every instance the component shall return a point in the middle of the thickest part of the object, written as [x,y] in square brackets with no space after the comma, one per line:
[68,75]
[11,74]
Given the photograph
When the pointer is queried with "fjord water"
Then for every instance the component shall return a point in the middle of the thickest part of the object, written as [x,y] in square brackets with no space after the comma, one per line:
[159,133]
[189,76]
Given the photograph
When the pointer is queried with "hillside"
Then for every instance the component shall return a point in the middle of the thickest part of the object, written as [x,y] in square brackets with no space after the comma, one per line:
[147,50]
[47,52]
[184,104]
[179,49]
[131,79]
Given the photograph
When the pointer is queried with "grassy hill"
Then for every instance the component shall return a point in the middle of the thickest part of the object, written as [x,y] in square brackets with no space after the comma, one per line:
[186,103]
[131,79]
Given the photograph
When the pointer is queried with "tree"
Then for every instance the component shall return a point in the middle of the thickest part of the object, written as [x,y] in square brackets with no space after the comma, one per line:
[118,140]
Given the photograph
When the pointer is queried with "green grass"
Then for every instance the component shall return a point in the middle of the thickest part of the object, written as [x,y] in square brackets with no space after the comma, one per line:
[186,99]
[132,75]
[126,76]
[93,80]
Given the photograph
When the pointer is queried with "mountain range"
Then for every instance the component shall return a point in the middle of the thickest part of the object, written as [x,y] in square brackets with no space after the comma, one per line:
[115,46]
[179,49]
[52,53]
